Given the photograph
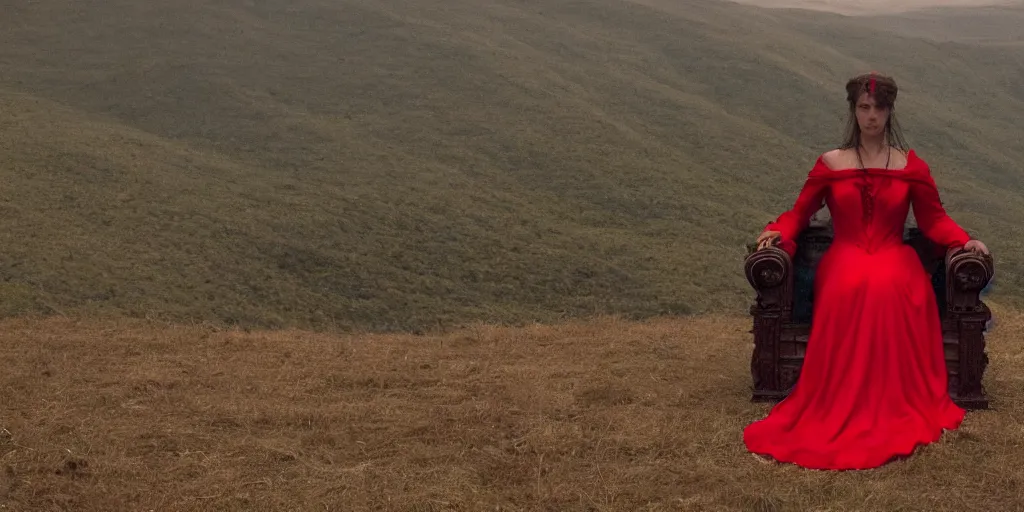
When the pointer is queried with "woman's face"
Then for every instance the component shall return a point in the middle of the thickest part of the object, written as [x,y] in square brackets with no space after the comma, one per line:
[871,117]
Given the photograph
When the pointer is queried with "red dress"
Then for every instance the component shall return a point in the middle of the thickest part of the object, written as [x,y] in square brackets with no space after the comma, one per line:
[873,383]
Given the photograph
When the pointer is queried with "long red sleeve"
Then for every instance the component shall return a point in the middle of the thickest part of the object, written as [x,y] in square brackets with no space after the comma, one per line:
[792,222]
[931,216]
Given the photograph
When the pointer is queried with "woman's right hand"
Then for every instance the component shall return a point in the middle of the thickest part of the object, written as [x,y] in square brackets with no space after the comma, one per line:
[767,239]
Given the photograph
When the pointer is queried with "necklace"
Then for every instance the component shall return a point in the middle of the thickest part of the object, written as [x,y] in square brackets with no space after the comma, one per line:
[888,156]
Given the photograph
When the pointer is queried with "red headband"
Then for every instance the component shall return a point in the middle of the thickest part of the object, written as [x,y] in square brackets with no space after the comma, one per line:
[871,83]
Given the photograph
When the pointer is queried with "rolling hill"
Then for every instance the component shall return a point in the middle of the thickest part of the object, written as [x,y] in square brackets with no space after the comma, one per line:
[887,8]
[992,26]
[393,165]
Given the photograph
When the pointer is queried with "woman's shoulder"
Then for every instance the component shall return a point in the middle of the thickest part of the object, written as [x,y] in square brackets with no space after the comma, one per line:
[836,159]
[845,159]
[836,165]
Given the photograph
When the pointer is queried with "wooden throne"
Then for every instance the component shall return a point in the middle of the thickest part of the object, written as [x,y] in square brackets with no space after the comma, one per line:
[784,305]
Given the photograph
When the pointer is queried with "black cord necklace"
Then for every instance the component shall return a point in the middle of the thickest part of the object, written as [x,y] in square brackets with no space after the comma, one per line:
[888,156]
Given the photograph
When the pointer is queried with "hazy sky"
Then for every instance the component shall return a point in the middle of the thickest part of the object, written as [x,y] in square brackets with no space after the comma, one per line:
[872,6]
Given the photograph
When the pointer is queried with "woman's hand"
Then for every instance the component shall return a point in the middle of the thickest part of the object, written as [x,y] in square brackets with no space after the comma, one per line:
[768,238]
[976,246]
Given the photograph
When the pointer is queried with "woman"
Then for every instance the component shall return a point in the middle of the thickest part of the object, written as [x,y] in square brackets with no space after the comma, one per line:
[873,383]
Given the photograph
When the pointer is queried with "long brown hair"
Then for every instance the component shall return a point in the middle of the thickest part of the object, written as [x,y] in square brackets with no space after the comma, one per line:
[885,91]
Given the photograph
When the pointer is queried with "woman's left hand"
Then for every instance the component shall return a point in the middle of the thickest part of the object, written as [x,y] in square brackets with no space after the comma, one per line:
[976,246]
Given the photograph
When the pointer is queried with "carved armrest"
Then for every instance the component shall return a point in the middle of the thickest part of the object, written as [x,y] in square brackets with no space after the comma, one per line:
[770,272]
[967,274]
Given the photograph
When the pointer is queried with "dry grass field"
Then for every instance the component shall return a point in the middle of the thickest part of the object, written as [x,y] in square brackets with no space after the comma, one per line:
[603,415]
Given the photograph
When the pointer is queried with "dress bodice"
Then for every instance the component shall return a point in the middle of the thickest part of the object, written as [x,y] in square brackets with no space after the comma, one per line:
[869,207]
[869,210]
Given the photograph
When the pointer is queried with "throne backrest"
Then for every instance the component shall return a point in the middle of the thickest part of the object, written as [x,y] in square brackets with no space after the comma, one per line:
[815,240]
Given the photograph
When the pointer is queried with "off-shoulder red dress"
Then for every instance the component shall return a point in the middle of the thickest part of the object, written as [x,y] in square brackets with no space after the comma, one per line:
[873,383]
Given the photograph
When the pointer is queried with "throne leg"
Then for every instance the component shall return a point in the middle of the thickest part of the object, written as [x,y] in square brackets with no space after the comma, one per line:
[967,274]
[769,271]
[970,392]
[764,364]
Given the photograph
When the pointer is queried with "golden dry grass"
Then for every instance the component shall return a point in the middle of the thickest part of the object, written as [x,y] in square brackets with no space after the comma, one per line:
[603,415]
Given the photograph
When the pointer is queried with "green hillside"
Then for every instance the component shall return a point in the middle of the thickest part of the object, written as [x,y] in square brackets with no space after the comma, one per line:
[403,165]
